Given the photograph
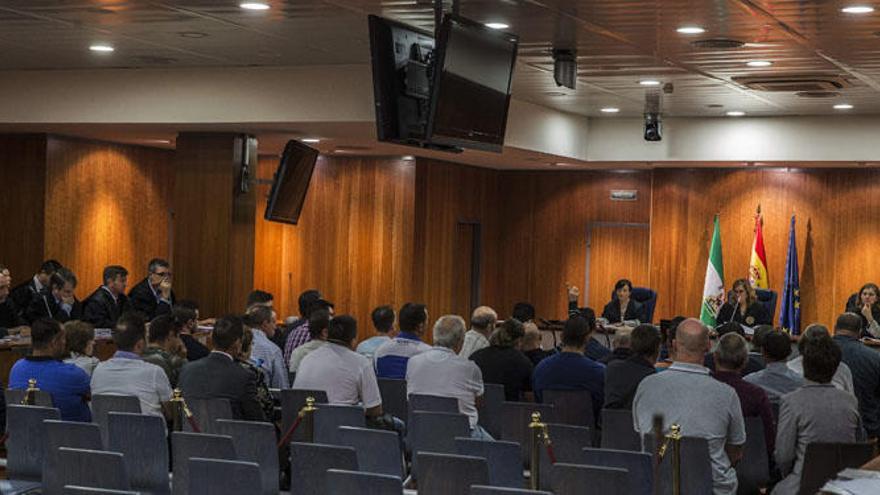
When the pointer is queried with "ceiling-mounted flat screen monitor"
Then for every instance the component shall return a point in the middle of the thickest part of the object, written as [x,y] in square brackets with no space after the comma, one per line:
[471,85]
[291,183]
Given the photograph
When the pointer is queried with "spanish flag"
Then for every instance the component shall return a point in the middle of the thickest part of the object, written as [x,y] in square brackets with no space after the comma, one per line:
[758,261]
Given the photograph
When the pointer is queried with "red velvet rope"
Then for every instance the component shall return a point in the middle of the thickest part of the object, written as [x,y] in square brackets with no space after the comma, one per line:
[193,424]
[550,453]
[286,437]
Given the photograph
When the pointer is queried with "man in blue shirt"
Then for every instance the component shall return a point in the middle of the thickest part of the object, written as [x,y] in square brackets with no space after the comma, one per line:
[383,320]
[66,383]
[570,369]
[392,357]
[594,350]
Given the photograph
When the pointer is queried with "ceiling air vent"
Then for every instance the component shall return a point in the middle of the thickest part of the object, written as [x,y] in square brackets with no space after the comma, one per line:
[818,94]
[796,83]
[717,44]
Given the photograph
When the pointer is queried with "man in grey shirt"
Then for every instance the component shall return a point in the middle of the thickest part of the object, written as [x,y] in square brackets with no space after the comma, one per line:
[777,379]
[685,394]
[816,412]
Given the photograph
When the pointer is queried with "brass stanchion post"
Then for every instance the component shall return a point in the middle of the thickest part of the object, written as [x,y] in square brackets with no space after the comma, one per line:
[538,431]
[30,395]
[308,418]
[674,436]
[178,410]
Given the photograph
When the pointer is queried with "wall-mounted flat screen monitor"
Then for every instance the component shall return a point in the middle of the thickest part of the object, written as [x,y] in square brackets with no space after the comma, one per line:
[291,183]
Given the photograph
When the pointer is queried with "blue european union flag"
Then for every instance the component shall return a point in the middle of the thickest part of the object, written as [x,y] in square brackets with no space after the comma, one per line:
[791,291]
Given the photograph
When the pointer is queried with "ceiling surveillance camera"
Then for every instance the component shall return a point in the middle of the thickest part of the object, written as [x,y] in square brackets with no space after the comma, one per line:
[652,127]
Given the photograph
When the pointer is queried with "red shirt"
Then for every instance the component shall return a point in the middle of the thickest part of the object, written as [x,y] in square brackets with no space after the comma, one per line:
[754,402]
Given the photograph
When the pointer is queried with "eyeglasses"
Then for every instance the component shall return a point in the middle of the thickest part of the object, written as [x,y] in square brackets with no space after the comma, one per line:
[162,274]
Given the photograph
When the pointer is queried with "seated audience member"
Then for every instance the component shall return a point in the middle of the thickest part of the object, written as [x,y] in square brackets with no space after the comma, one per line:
[346,376]
[126,373]
[164,347]
[570,369]
[842,377]
[265,354]
[319,322]
[306,299]
[753,362]
[685,394]
[531,344]
[865,366]
[218,376]
[301,335]
[80,338]
[391,358]
[383,321]
[744,307]
[731,356]
[482,325]
[622,376]
[246,361]
[776,378]
[153,295]
[23,293]
[67,384]
[186,315]
[594,350]
[757,342]
[524,312]
[620,343]
[667,336]
[11,321]
[503,362]
[108,302]
[59,302]
[623,307]
[259,298]
[816,412]
[867,306]
[441,372]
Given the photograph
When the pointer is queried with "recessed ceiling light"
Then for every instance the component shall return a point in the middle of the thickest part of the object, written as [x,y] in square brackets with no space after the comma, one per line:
[157,141]
[691,30]
[409,157]
[759,63]
[310,140]
[610,110]
[254,6]
[649,82]
[497,25]
[735,113]
[101,47]
[857,9]
[843,106]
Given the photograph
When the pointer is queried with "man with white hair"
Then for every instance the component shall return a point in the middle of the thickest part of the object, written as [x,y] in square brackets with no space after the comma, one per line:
[482,324]
[441,372]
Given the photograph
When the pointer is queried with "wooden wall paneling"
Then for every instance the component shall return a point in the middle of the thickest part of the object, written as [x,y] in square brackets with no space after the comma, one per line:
[616,251]
[22,200]
[106,204]
[213,226]
[353,242]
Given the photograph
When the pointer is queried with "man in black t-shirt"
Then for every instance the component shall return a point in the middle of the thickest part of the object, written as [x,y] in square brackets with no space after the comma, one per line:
[503,363]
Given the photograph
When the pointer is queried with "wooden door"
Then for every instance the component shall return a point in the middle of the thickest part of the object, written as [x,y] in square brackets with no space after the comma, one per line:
[615,251]
[466,276]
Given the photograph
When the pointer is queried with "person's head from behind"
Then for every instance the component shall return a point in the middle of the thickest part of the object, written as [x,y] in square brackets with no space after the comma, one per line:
[319,323]
[483,319]
[62,284]
[247,345]
[115,279]
[48,339]
[413,318]
[776,347]
[79,337]
[449,332]
[623,289]
[622,338]
[5,282]
[644,341]
[531,338]
[691,341]
[47,269]
[849,324]
[343,331]
[761,332]
[730,327]
[732,352]
[576,333]
[524,312]
[262,318]
[227,335]
[509,334]
[164,332]
[868,295]
[259,298]
[305,301]
[186,316]
[130,333]
[383,320]
[821,359]
[813,331]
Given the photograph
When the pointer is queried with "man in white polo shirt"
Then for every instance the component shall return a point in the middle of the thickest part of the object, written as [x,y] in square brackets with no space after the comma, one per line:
[345,375]
[127,374]
[440,371]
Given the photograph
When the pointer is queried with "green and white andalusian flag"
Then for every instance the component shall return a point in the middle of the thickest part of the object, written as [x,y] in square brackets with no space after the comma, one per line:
[713,288]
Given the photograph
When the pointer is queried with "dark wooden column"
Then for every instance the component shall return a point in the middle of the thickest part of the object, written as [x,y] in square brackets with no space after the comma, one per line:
[22,203]
[213,223]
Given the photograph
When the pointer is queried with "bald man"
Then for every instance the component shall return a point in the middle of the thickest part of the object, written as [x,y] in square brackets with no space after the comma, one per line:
[685,394]
[482,324]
